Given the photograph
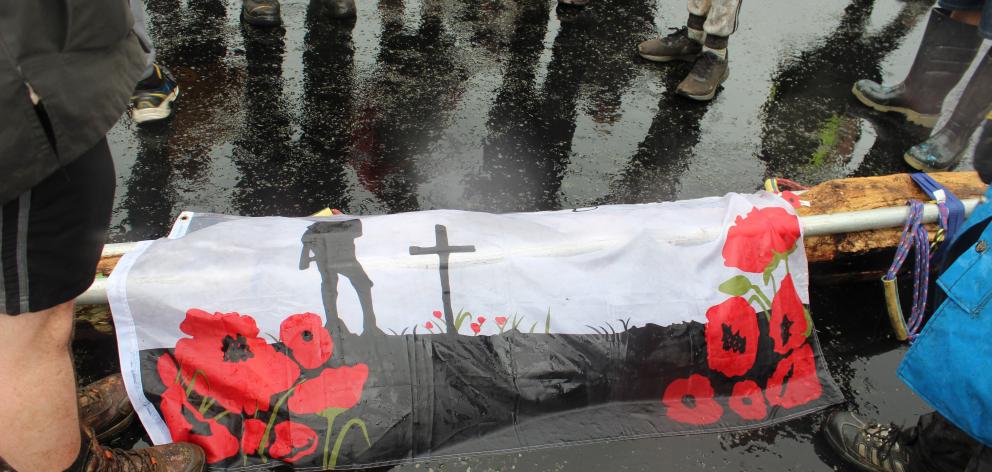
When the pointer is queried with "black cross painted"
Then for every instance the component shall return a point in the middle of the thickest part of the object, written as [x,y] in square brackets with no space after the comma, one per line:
[443,251]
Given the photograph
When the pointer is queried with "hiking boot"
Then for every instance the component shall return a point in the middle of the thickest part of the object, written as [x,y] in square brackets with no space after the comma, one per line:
[261,12]
[176,457]
[706,76]
[983,151]
[871,447]
[677,46]
[153,97]
[945,147]
[105,407]
[947,49]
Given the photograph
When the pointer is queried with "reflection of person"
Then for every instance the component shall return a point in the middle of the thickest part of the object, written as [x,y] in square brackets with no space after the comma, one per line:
[703,40]
[64,85]
[950,42]
[331,244]
[935,443]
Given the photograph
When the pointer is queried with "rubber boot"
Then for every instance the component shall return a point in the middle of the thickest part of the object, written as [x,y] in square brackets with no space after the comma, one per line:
[946,147]
[983,151]
[947,49]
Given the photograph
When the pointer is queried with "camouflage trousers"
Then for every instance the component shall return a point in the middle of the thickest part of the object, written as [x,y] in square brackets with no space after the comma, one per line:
[721,15]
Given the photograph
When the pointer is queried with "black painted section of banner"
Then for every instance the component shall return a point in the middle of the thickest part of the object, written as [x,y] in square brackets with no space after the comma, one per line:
[438,395]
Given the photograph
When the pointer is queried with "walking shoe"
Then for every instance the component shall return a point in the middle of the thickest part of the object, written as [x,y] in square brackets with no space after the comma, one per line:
[153,97]
[871,447]
[339,9]
[947,49]
[176,457]
[677,46]
[261,12]
[947,145]
[706,76]
[105,407]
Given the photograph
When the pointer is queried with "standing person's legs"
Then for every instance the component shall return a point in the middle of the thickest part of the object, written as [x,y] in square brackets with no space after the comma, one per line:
[157,89]
[698,11]
[721,22]
[685,44]
[52,237]
[711,68]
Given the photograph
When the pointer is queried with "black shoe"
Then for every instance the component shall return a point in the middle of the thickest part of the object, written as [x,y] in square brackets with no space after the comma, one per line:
[946,147]
[871,447]
[983,151]
[261,12]
[947,49]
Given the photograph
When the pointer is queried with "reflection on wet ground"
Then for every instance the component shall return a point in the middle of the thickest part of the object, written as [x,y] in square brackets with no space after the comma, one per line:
[497,105]
[502,105]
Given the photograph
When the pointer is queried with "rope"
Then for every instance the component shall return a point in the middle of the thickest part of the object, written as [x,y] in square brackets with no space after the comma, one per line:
[914,238]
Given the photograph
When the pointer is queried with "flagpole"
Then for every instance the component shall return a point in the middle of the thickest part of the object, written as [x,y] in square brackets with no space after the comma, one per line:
[816,225]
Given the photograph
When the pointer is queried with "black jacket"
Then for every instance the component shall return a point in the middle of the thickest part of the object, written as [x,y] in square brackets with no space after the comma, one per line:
[82,59]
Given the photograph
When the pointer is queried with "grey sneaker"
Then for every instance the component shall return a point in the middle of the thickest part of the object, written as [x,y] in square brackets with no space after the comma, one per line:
[706,76]
[870,447]
[677,46]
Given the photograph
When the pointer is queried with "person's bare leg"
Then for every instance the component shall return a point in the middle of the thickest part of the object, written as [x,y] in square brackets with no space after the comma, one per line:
[970,17]
[38,409]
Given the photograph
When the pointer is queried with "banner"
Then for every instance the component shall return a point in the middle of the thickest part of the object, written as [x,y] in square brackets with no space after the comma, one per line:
[349,342]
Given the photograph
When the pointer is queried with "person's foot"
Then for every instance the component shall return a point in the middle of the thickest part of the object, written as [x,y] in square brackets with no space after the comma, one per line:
[941,152]
[261,12]
[176,457]
[870,447]
[677,46]
[706,76]
[105,407]
[153,96]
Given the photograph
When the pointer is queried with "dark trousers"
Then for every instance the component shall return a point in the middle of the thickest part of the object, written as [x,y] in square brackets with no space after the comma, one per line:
[936,445]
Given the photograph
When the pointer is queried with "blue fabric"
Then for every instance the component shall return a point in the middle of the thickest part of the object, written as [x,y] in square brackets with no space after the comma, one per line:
[955,210]
[950,364]
[985,25]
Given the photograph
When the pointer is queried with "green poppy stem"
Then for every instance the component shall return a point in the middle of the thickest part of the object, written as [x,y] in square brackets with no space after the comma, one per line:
[331,414]
[272,421]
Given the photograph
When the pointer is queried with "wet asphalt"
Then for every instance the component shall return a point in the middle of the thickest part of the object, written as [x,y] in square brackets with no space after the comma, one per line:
[502,105]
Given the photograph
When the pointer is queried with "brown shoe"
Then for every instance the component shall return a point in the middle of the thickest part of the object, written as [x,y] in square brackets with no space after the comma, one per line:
[706,76]
[177,457]
[105,407]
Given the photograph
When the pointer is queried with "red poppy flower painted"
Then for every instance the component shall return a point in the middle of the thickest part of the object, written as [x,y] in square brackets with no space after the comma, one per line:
[231,363]
[794,381]
[731,337]
[335,387]
[500,321]
[754,239]
[429,325]
[437,314]
[475,328]
[792,198]
[186,423]
[691,401]
[747,401]
[251,435]
[308,342]
[481,320]
[788,323]
[293,441]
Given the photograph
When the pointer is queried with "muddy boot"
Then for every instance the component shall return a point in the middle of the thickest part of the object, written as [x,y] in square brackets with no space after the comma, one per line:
[869,446]
[261,12]
[945,147]
[983,152]
[105,407]
[947,49]
[177,457]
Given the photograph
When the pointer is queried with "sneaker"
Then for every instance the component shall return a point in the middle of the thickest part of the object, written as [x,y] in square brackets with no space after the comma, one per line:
[677,46]
[261,12]
[153,97]
[871,447]
[706,76]
[105,407]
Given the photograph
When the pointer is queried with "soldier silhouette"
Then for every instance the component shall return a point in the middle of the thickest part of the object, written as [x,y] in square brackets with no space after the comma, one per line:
[331,244]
